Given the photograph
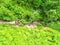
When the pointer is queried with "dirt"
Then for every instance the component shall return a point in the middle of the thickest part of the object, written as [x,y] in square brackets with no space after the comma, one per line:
[32,25]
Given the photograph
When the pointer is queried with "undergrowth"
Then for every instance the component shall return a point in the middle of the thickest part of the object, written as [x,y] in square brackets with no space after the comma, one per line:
[13,35]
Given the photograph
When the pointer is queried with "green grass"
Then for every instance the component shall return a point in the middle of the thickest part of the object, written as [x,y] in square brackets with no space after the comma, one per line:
[12,35]
[54,25]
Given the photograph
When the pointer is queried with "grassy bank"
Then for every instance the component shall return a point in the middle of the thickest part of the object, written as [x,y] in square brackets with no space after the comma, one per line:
[12,35]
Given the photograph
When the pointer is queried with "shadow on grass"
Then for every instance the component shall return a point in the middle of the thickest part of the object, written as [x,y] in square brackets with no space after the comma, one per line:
[54,25]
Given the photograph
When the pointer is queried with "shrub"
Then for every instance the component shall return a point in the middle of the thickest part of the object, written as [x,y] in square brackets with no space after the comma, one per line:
[49,10]
[28,10]
[12,35]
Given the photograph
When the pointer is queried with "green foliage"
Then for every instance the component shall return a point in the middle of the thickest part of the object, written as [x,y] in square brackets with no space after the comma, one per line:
[54,25]
[12,35]
[29,10]
[6,14]
[36,3]
[49,10]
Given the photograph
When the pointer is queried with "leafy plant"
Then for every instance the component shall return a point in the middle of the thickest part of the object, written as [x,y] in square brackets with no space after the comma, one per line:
[13,35]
